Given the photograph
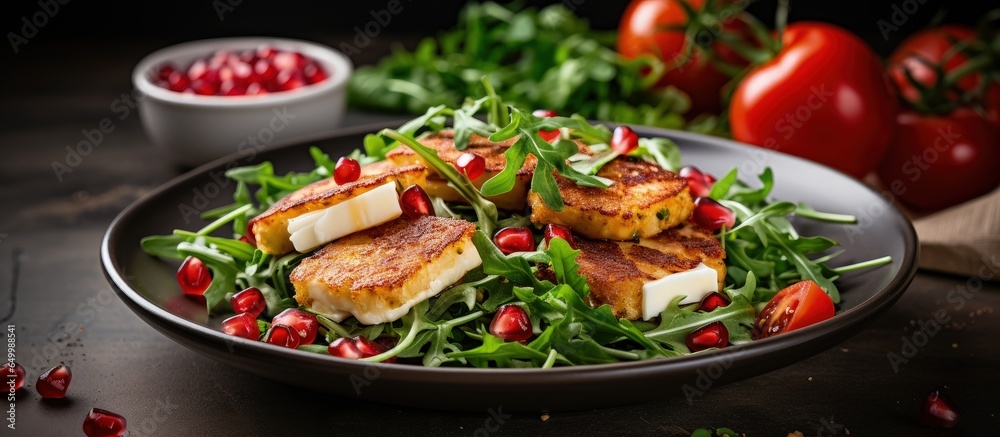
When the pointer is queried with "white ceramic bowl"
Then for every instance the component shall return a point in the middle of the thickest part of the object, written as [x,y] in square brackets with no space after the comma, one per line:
[195,129]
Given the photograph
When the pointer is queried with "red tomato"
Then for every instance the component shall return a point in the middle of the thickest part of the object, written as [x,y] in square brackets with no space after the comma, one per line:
[642,32]
[797,306]
[939,161]
[823,97]
[933,46]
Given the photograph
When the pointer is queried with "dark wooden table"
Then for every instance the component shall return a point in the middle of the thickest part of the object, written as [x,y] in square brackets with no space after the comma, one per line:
[52,290]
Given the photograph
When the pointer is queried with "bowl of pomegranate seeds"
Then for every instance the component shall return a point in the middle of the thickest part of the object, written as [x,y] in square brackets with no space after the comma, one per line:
[206,99]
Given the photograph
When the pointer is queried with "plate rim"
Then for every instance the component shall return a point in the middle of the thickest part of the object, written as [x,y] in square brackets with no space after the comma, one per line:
[864,311]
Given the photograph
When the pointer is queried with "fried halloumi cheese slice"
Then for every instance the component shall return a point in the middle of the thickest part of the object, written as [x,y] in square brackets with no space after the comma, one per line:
[378,274]
[617,271]
[444,143]
[269,230]
[642,200]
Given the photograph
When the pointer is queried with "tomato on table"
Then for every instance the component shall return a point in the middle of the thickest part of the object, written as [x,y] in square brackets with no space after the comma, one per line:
[823,97]
[644,30]
[942,160]
[794,307]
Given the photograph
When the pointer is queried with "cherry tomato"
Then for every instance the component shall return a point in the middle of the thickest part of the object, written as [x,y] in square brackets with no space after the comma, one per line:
[796,306]
[939,161]
[642,32]
[933,46]
[823,97]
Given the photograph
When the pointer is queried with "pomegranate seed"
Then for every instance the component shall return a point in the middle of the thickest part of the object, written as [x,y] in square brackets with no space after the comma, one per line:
[283,335]
[511,323]
[103,423]
[553,231]
[547,135]
[544,113]
[288,61]
[700,183]
[194,276]
[624,140]
[288,80]
[347,170]
[198,70]
[243,325]
[471,165]
[711,335]
[164,72]
[54,382]
[14,373]
[305,323]
[415,203]
[204,87]
[177,82]
[514,239]
[256,89]
[218,59]
[250,301]
[265,51]
[248,56]
[370,348]
[711,215]
[712,301]
[937,412]
[232,88]
[345,348]
[313,73]
[265,70]
[242,73]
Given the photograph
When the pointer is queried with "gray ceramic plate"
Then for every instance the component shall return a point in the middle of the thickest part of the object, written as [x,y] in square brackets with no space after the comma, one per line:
[148,287]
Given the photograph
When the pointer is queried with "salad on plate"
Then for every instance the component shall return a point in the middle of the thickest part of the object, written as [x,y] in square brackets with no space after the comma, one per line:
[490,235]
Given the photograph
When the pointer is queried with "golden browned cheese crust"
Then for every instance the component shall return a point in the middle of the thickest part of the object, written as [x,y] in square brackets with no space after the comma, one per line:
[643,200]
[270,229]
[382,267]
[617,270]
[493,153]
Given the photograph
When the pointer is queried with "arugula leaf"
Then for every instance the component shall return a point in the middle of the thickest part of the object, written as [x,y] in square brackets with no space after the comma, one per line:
[676,322]
[563,259]
[485,210]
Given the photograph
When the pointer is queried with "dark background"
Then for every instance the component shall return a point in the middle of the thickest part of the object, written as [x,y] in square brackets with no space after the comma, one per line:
[113,22]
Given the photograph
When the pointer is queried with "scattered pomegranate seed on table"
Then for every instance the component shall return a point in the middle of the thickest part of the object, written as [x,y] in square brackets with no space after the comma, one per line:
[284,335]
[415,203]
[346,170]
[250,300]
[194,276]
[14,372]
[514,239]
[242,325]
[103,423]
[711,215]
[624,140]
[471,165]
[54,382]
[700,183]
[236,73]
[511,323]
[711,335]
[304,323]
[937,412]
[712,301]
[552,231]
